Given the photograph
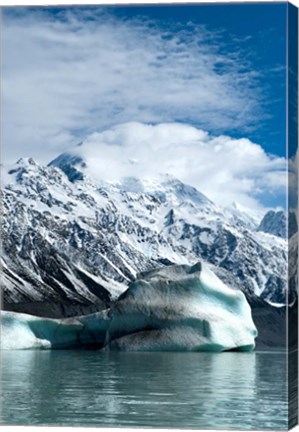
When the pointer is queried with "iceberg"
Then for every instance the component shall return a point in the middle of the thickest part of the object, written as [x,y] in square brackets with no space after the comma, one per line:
[181,308]
[21,331]
[175,308]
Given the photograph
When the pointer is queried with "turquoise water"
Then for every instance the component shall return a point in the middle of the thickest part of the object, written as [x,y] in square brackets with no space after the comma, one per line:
[182,390]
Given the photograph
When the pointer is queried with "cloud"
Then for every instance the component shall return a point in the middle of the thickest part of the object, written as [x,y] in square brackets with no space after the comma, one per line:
[66,74]
[223,168]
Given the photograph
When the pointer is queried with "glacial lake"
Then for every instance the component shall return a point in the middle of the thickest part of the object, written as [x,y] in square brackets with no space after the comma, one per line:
[230,390]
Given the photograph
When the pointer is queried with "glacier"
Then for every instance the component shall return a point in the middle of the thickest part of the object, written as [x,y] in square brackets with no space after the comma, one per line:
[176,308]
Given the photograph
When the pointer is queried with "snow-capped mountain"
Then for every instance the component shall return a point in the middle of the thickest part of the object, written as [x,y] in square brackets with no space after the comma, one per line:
[70,240]
[274,222]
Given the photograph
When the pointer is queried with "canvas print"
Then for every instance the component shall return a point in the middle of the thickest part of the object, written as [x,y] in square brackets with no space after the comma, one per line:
[149,216]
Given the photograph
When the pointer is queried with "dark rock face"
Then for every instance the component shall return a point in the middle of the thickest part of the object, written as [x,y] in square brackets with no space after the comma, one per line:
[55,309]
[292,223]
[270,322]
[70,165]
[177,308]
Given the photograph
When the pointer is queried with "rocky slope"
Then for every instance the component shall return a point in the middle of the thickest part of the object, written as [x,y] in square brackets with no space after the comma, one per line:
[71,244]
[274,223]
[175,308]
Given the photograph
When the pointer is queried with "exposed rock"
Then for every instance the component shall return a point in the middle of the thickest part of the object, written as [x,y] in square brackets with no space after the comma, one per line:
[178,308]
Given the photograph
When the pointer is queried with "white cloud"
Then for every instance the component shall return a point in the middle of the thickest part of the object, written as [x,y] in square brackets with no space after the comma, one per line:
[223,168]
[66,75]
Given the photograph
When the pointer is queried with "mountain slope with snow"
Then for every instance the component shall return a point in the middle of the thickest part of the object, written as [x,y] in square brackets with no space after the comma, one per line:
[71,240]
[274,223]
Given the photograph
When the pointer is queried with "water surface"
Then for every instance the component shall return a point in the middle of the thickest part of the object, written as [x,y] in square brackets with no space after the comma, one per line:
[231,390]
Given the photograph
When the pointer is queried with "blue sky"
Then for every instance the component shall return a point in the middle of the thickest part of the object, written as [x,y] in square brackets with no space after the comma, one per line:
[72,72]
[258,32]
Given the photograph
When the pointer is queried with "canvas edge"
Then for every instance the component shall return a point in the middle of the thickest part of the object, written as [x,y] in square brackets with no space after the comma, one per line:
[292,203]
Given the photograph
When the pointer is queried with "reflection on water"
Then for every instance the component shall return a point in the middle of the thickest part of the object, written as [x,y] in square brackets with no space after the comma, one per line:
[182,390]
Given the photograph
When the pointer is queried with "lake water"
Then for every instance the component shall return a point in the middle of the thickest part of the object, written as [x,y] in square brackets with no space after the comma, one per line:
[182,390]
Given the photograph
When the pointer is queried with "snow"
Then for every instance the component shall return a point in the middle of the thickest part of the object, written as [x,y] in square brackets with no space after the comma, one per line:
[206,238]
[114,231]
[113,287]
[274,222]
[176,308]
[250,216]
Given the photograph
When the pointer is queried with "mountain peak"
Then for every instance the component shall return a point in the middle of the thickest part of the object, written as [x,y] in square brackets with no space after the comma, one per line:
[71,164]
[100,234]
[13,172]
[26,161]
[274,222]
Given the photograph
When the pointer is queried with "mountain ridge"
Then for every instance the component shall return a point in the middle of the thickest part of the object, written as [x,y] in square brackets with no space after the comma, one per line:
[80,242]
